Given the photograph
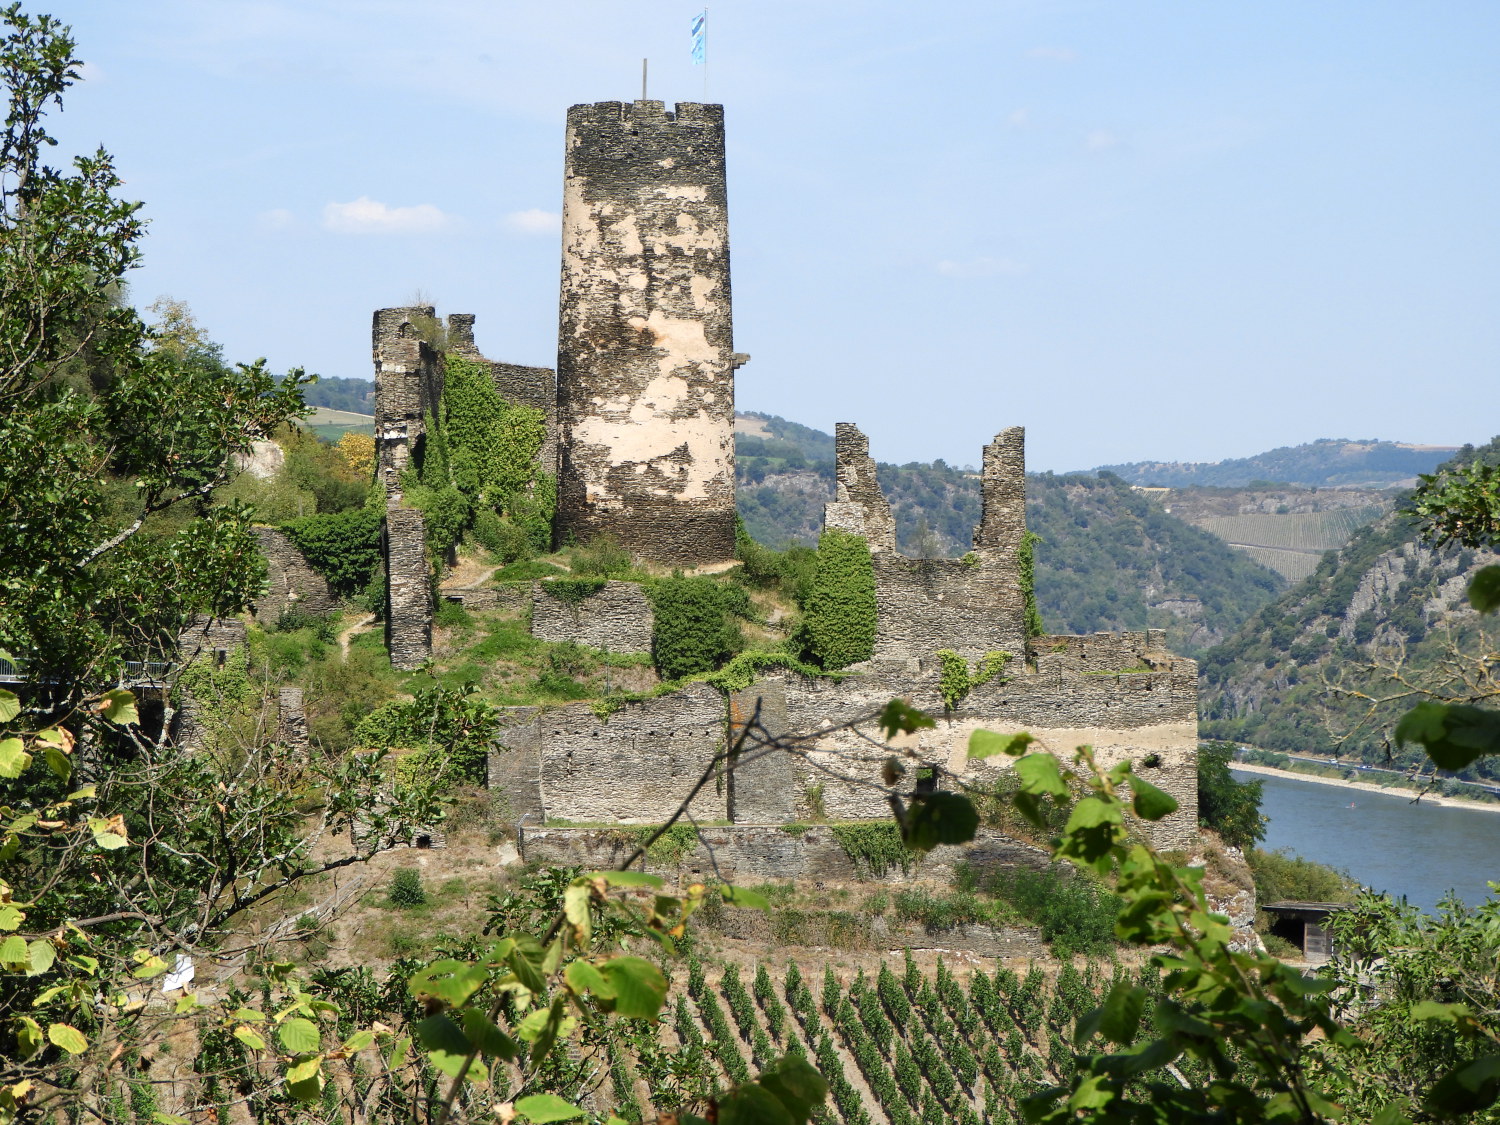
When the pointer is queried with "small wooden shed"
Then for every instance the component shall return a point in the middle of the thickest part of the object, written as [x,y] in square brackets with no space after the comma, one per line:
[1304,924]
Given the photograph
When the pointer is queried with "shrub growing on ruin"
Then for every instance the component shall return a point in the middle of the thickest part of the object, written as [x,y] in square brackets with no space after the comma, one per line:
[696,628]
[344,547]
[1231,808]
[840,609]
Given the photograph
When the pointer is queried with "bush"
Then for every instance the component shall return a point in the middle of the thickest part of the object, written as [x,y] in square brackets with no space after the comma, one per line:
[1075,914]
[695,630]
[1231,808]
[344,547]
[406,889]
[601,558]
[1281,876]
[502,538]
[840,609]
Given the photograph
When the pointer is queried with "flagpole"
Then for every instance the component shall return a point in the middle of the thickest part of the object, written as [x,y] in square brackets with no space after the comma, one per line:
[705,56]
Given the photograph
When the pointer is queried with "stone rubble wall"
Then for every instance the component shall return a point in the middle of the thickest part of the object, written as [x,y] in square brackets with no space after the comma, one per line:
[859,506]
[291,720]
[637,765]
[409,609]
[971,606]
[291,580]
[645,366]
[1100,652]
[408,384]
[618,618]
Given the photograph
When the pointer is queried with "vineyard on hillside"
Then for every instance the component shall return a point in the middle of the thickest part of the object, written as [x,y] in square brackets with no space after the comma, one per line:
[901,1048]
[1292,543]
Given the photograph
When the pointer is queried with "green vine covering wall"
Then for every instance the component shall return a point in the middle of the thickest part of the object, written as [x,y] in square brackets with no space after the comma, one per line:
[1026,571]
[874,846]
[956,680]
[840,611]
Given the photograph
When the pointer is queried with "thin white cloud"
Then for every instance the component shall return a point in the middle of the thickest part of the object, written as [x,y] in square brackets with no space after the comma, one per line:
[91,72]
[533,221]
[278,218]
[369,216]
[1101,139]
[1053,54]
[1019,118]
[980,267]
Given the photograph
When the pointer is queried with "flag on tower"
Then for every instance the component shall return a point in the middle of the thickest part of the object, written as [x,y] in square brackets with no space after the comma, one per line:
[700,38]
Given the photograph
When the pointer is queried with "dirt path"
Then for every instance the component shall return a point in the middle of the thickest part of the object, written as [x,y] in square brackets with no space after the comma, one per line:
[358,627]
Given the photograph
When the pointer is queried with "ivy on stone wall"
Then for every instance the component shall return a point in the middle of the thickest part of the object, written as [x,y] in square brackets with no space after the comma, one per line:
[344,547]
[874,846]
[956,679]
[696,628]
[839,617]
[572,592]
[1026,571]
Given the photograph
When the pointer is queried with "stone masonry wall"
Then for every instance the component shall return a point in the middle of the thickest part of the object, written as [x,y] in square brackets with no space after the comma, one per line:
[860,506]
[408,593]
[1101,652]
[635,766]
[971,606]
[645,337]
[618,618]
[527,386]
[290,580]
[408,383]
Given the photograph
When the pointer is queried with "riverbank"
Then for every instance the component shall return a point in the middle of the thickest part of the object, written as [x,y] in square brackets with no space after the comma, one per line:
[1367,787]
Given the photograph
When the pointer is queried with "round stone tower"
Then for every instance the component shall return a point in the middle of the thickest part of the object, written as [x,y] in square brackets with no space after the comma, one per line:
[645,354]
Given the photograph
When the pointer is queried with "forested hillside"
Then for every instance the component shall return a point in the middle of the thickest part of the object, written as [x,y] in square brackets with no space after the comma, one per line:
[1109,558]
[1329,666]
[1369,464]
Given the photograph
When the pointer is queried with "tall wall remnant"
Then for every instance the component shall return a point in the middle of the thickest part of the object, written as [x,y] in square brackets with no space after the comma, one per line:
[860,506]
[645,358]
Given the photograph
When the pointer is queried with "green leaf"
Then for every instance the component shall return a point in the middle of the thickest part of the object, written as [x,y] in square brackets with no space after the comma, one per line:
[1453,734]
[29,1038]
[739,896]
[795,1083]
[119,708]
[541,1108]
[940,818]
[629,879]
[1466,1089]
[1039,774]
[58,762]
[169,1119]
[299,1036]
[1150,802]
[250,1038]
[358,1042]
[583,977]
[1120,1014]
[1484,589]
[250,1015]
[526,971]
[10,705]
[13,952]
[986,744]
[900,717]
[69,1038]
[576,909]
[752,1104]
[1432,1010]
[453,982]
[10,918]
[446,1044]
[13,758]
[40,956]
[108,832]
[639,988]
[481,1032]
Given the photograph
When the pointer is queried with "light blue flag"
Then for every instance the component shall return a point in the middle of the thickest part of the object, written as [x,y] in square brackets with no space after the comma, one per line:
[700,38]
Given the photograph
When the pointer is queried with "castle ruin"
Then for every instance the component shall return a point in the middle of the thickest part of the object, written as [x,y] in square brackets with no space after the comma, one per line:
[639,419]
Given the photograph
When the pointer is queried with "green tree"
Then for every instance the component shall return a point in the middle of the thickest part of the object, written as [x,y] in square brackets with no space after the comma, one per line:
[1231,808]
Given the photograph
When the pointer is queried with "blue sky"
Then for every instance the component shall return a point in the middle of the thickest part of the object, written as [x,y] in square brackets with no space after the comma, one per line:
[1142,230]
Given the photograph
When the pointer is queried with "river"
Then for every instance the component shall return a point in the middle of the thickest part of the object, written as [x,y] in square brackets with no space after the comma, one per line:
[1384,841]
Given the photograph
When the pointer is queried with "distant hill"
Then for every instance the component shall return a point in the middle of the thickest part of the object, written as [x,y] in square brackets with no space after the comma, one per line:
[1320,464]
[354,395]
[1385,600]
[1110,558]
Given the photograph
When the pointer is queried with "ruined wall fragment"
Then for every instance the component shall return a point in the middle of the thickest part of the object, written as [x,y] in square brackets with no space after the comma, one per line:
[408,588]
[645,338]
[860,506]
[291,581]
[618,618]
